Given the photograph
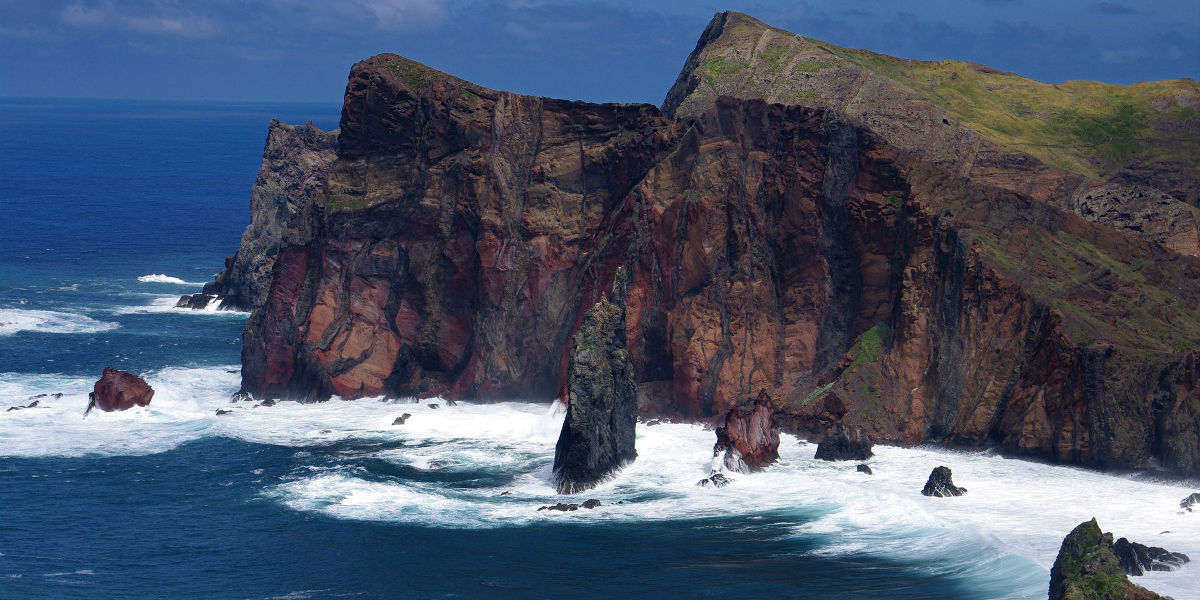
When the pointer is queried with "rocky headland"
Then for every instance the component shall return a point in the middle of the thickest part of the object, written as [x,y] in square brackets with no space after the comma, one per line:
[810,220]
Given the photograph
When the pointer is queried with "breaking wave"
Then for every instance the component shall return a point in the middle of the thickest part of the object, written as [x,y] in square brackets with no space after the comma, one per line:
[160,278]
[14,320]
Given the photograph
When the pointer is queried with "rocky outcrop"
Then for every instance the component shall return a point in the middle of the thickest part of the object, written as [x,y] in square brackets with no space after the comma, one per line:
[195,301]
[748,441]
[940,484]
[717,480]
[461,233]
[844,443]
[1137,558]
[295,165]
[119,390]
[863,469]
[1088,569]
[597,437]
[1190,501]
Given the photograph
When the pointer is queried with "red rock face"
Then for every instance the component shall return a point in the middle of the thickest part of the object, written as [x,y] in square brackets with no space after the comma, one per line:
[120,390]
[752,435]
[463,231]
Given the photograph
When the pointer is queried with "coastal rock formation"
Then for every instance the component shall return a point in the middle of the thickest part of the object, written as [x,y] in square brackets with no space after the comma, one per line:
[295,164]
[1137,558]
[1192,500]
[598,434]
[1088,569]
[748,441]
[717,480]
[940,484]
[863,469]
[879,265]
[195,301]
[844,443]
[119,390]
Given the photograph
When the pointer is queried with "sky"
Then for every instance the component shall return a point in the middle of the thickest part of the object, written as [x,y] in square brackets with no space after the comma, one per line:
[619,51]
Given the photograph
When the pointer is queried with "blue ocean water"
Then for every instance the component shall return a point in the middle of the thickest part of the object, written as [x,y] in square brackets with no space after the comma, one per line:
[331,501]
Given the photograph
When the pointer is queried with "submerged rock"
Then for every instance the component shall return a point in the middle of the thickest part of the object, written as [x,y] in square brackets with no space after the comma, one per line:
[1087,568]
[941,485]
[195,301]
[1137,558]
[119,390]
[402,419]
[564,507]
[597,435]
[863,469]
[30,405]
[748,442]
[223,411]
[844,443]
[716,480]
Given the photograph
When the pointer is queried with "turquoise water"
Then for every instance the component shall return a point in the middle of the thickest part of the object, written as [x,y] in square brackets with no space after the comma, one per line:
[331,501]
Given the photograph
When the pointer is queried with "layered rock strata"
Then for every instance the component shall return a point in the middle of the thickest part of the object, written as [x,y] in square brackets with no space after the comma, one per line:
[598,433]
[460,234]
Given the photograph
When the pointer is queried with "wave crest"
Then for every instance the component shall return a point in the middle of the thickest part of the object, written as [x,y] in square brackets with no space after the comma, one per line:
[13,320]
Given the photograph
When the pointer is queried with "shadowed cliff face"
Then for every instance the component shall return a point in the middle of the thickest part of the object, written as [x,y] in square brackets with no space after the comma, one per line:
[462,231]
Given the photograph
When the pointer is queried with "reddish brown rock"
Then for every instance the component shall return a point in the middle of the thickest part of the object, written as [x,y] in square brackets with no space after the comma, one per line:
[748,441]
[119,390]
[462,232]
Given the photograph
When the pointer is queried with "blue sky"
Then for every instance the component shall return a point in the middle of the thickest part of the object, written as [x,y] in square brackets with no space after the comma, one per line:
[625,50]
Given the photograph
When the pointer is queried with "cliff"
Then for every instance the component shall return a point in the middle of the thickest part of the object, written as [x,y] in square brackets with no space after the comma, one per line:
[858,273]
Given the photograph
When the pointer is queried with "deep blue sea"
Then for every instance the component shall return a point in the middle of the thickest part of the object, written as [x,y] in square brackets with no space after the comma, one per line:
[110,210]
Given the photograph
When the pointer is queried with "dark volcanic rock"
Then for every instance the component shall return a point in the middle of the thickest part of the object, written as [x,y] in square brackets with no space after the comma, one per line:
[402,419]
[748,441]
[31,405]
[1190,501]
[119,390]
[1087,568]
[1137,558]
[845,443]
[223,411]
[716,480]
[295,164]
[598,433]
[863,469]
[592,503]
[194,301]
[940,484]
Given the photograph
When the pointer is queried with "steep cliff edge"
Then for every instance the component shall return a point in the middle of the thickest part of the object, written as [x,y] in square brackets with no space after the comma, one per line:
[461,232]
[295,164]
[1077,144]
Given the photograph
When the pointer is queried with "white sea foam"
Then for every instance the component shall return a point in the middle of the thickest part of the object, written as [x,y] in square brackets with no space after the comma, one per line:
[166,304]
[13,320]
[160,278]
[1001,537]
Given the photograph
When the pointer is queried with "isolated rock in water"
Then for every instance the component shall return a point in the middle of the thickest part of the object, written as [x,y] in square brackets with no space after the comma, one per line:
[1137,558]
[400,420]
[119,390]
[715,480]
[30,405]
[1087,568]
[863,469]
[597,435]
[223,411]
[1190,501]
[591,503]
[194,301]
[748,442]
[844,443]
[941,485]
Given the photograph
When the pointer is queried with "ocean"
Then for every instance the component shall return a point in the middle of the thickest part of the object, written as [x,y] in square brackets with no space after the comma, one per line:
[110,210]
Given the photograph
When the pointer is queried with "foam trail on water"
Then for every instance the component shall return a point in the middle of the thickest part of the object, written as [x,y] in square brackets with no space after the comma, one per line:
[166,304]
[14,320]
[160,278]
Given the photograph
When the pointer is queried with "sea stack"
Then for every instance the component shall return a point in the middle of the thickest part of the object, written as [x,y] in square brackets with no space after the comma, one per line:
[597,435]
[119,390]
[940,484]
[748,441]
[1087,568]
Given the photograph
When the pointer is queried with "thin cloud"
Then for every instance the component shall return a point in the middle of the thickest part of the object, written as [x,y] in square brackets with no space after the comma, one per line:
[107,16]
[406,14]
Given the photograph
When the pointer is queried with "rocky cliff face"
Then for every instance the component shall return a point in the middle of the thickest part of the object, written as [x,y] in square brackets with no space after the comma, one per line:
[461,232]
[296,161]
[1087,568]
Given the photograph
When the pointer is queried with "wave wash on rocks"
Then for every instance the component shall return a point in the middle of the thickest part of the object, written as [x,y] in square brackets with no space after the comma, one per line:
[460,234]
